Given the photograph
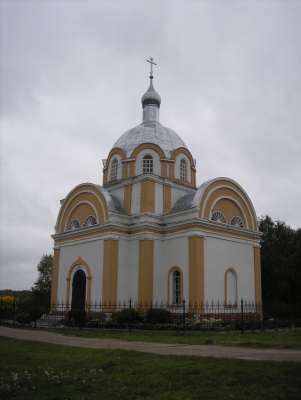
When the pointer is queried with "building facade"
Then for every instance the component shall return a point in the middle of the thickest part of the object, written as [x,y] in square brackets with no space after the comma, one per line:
[149,234]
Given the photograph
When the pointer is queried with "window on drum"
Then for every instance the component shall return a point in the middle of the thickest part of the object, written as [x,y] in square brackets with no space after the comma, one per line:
[147,164]
[114,170]
[183,170]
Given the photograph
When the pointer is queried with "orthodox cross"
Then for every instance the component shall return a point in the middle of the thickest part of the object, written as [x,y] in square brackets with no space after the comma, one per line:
[151,61]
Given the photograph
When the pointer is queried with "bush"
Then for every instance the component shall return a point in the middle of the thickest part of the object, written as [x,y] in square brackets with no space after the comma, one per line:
[23,317]
[36,312]
[127,316]
[97,321]
[157,316]
[78,316]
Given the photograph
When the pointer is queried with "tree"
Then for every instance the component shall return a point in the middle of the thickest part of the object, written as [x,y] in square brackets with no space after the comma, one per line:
[281,269]
[41,289]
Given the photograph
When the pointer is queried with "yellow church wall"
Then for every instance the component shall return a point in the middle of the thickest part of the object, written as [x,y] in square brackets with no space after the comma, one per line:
[147,200]
[127,198]
[166,198]
[196,269]
[257,275]
[164,165]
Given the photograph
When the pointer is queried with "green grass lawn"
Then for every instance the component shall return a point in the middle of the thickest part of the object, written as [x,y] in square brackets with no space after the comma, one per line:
[47,372]
[289,339]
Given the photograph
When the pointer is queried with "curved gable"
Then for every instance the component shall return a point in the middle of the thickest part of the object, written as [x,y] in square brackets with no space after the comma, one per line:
[83,201]
[227,196]
[229,207]
[146,146]
[183,150]
[113,152]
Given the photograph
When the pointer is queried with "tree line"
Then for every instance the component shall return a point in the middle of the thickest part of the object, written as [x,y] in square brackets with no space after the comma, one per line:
[280,269]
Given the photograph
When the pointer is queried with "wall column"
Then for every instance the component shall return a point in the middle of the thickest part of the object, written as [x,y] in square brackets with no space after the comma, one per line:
[257,275]
[127,198]
[147,200]
[166,198]
[110,272]
[196,269]
[146,271]
[55,276]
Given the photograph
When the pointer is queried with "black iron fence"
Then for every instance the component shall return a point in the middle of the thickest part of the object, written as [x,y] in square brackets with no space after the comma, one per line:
[132,315]
[160,315]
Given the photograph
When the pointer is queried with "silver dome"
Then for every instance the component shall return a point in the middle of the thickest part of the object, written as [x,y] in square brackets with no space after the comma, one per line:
[150,132]
[151,96]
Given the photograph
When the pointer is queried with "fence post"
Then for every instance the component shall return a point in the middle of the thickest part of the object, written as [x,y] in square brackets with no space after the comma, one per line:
[130,303]
[14,312]
[183,315]
[242,315]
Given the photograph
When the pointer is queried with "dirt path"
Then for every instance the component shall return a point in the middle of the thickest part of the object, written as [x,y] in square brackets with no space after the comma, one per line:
[242,353]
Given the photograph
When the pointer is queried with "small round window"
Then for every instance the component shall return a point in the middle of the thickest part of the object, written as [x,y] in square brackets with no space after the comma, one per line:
[218,216]
[238,222]
[74,224]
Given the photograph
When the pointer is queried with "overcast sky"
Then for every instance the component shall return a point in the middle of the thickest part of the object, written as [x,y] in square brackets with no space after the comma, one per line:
[72,75]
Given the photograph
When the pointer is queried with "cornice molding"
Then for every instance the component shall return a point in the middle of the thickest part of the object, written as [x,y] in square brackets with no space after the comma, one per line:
[161,229]
[142,177]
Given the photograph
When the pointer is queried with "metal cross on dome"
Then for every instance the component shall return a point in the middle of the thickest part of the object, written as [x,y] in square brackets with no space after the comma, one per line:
[151,61]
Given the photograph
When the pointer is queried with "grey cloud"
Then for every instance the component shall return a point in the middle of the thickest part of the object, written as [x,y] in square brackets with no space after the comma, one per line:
[72,74]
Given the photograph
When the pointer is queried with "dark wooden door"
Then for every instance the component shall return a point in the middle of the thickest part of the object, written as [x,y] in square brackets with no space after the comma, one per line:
[78,290]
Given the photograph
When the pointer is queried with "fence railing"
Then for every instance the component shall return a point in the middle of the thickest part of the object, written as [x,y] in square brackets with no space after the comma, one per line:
[132,314]
[161,315]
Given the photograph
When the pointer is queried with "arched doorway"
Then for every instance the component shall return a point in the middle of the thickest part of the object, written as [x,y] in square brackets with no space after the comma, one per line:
[78,290]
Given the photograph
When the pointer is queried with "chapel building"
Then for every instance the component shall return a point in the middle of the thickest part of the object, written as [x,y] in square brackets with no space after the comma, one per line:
[149,234]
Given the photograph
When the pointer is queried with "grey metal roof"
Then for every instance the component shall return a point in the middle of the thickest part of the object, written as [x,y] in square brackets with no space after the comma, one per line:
[151,96]
[112,202]
[150,132]
[183,203]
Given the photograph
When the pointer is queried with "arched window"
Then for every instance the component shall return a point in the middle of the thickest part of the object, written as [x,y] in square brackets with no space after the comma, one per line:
[147,164]
[114,170]
[90,221]
[238,222]
[218,216]
[230,288]
[74,224]
[183,170]
[176,287]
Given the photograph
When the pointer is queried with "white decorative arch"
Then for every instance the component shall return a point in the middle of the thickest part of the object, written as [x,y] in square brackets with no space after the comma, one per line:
[79,264]
[156,161]
[102,199]
[179,157]
[200,201]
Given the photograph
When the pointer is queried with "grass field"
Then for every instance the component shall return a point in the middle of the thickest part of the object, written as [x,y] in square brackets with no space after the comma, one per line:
[49,372]
[289,339]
